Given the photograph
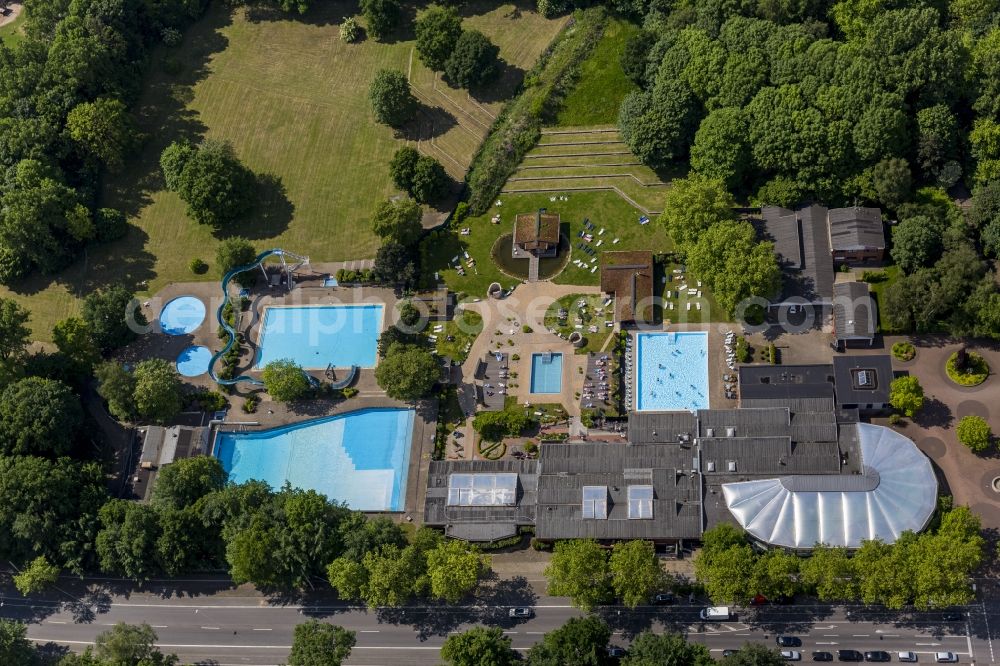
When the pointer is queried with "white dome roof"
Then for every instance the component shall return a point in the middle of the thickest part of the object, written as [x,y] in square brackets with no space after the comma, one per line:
[896,492]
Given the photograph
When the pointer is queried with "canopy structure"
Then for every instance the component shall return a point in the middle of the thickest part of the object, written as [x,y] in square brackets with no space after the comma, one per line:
[896,492]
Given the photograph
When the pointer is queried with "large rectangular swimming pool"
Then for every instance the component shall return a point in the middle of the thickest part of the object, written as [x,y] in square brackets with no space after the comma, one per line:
[360,458]
[319,336]
[671,371]
[546,373]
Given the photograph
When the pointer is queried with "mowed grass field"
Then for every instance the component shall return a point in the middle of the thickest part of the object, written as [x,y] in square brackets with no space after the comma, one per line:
[602,84]
[292,99]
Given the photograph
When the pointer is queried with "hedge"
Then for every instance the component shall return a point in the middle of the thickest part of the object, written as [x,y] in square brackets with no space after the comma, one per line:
[519,125]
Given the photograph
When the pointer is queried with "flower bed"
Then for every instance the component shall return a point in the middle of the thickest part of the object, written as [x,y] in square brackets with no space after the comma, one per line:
[974,374]
[904,351]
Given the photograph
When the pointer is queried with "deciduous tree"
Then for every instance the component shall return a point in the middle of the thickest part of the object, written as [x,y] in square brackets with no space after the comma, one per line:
[579,642]
[579,570]
[186,480]
[233,252]
[694,204]
[454,569]
[635,572]
[479,646]
[214,184]
[975,433]
[438,31]
[113,316]
[284,380]
[131,645]
[389,94]
[381,17]
[103,128]
[158,390]
[73,338]
[35,577]
[407,372]
[38,417]
[316,643]
[906,394]
[474,62]
[117,386]
[398,221]
[649,649]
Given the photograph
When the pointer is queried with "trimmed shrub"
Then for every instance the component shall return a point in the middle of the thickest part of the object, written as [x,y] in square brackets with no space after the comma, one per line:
[904,351]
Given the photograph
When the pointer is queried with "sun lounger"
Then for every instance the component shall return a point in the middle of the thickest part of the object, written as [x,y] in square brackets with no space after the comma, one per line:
[698,304]
[594,269]
[615,241]
[689,306]
[601,232]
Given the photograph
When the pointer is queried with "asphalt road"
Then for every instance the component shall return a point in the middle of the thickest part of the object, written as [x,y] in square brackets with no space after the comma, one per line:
[225,627]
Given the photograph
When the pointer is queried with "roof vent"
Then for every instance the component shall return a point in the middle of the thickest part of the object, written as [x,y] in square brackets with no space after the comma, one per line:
[730,432]
[731,465]
[710,432]
[711,465]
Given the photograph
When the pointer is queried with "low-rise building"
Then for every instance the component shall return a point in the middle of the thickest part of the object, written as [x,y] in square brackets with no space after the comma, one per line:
[628,277]
[854,314]
[856,235]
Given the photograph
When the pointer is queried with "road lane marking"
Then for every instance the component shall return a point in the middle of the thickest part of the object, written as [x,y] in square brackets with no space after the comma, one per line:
[369,631]
[159,626]
[55,621]
[861,635]
[255,629]
[210,628]
[535,633]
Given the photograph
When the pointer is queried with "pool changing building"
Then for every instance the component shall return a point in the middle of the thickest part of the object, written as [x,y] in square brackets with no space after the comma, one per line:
[792,475]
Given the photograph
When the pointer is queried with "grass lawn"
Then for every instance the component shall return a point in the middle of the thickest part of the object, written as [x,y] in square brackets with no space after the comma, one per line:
[604,209]
[292,99]
[878,290]
[591,313]
[464,330]
[602,84]
[11,34]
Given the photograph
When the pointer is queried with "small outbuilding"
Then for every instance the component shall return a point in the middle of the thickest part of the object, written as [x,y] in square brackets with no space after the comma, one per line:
[854,314]
[628,277]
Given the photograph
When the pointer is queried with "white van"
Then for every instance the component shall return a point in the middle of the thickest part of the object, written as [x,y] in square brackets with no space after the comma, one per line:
[716,613]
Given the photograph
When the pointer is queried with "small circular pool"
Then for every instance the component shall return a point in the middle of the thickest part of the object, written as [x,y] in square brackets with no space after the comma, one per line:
[194,361]
[182,315]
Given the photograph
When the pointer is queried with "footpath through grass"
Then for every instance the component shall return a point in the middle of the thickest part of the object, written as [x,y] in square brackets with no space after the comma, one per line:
[602,84]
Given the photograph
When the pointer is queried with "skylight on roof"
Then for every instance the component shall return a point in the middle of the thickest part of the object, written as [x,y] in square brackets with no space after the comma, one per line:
[482,489]
[640,502]
[595,502]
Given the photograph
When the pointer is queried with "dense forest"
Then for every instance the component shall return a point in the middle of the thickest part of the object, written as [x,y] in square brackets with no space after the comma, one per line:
[886,103]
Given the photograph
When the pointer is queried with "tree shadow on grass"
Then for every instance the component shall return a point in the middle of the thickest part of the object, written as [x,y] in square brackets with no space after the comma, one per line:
[272,212]
[125,261]
[503,87]
[319,14]
[428,123]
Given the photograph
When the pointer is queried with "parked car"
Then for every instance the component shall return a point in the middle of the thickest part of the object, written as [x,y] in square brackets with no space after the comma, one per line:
[849,655]
[791,655]
[822,656]
[953,617]
[945,657]
[907,656]
[663,598]
[788,641]
[616,652]
[521,612]
[729,653]
[877,655]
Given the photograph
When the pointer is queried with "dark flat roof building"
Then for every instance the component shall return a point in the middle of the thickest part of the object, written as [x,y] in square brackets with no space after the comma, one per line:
[629,277]
[854,314]
[863,381]
[802,242]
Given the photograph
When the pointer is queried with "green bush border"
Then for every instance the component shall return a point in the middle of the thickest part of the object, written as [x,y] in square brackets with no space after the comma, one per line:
[490,450]
[975,378]
[904,351]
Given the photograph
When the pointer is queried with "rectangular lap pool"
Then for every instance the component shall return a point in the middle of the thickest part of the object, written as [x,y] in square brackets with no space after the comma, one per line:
[671,371]
[320,336]
[546,373]
[360,458]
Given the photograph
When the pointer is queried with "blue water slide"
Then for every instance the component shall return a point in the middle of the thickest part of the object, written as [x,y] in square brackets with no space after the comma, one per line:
[230,331]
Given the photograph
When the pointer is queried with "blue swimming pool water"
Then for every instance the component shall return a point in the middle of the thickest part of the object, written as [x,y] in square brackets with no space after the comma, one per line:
[182,315]
[360,458]
[193,361]
[330,281]
[315,337]
[671,371]
[546,375]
